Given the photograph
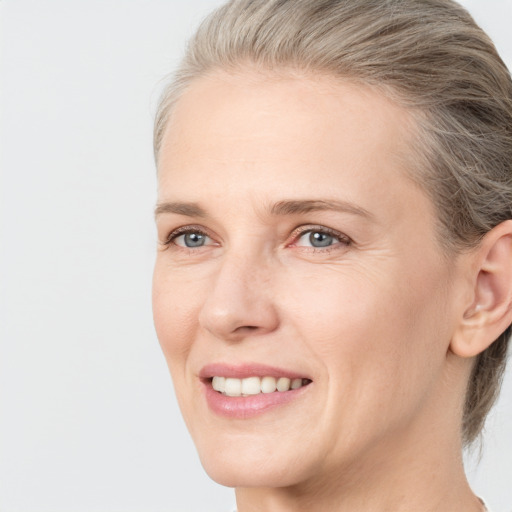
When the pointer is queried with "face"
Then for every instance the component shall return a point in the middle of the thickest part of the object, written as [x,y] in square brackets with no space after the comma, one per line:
[296,252]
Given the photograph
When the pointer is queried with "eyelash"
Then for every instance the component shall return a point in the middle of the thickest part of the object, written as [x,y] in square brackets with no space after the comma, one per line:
[296,235]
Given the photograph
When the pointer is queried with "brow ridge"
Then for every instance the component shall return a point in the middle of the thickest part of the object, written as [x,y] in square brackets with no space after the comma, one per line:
[281,208]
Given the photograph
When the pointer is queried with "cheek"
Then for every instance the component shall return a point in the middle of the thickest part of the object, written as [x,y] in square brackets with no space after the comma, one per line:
[175,311]
[377,335]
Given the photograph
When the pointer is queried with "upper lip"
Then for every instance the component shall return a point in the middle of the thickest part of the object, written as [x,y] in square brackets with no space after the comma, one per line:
[242,371]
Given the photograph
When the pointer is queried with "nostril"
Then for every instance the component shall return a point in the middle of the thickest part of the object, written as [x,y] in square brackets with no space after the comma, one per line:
[246,329]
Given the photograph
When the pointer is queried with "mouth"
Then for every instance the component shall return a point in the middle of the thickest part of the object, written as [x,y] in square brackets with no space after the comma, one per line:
[248,390]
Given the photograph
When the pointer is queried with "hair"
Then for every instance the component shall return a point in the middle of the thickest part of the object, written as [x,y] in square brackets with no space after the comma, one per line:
[427,55]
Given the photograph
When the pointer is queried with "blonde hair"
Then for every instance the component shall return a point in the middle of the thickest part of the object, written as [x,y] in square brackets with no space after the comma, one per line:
[429,56]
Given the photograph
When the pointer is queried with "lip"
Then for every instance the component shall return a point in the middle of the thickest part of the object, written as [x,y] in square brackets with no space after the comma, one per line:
[239,407]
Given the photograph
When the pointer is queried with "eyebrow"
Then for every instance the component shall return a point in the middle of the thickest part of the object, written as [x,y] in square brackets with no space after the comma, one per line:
[187,209]
[314,205]
[281,208]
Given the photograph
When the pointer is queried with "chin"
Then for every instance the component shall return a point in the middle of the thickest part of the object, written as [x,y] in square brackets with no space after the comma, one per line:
[247,475]
[252,468]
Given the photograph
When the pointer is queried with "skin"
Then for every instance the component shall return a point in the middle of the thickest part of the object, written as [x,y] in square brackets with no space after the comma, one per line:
[370,318]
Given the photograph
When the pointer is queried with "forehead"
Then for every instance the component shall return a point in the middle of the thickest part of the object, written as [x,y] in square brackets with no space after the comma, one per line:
[231,103]
[259,133]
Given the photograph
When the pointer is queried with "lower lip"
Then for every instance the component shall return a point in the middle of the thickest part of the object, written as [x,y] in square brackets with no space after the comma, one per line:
[242,407]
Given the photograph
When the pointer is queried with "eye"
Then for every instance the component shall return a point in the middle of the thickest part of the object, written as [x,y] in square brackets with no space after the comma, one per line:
[316,239]
[189,238]
[320,238]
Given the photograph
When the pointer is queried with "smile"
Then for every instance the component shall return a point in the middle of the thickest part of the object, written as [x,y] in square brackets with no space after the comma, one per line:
[248,390]
[249,386]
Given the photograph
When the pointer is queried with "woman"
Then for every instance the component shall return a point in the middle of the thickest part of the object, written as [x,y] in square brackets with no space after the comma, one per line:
[333,289]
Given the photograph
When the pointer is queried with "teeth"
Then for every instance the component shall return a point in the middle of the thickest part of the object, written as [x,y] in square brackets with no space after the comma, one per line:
[219,384]
[251,386]
[283,384]
[296,383]
[233,387]
[268,385]
[255,385]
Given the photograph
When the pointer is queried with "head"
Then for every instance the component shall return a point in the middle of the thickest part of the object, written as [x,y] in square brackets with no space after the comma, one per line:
[428,67]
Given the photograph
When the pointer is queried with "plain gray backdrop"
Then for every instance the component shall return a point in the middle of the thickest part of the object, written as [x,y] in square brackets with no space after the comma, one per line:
[88,418]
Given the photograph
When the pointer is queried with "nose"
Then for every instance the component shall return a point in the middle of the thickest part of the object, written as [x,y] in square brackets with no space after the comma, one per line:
[240,302]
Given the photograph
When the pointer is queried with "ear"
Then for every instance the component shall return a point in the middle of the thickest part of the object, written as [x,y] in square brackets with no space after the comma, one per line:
[490,311]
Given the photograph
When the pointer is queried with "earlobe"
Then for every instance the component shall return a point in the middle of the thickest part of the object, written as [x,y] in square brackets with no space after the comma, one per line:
[490,312]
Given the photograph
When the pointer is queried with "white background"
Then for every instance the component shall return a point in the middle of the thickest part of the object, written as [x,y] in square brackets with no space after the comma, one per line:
[88,419]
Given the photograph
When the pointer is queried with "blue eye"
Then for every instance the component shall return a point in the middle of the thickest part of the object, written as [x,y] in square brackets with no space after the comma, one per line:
[319,239]
[193,239]
[190,239]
